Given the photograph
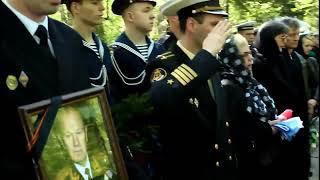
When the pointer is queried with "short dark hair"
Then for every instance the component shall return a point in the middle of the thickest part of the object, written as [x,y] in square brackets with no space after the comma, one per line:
[183,20]
[291,22]
[69,2]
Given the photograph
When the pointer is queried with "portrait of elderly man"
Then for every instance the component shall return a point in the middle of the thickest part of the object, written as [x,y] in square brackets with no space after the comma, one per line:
[74,134]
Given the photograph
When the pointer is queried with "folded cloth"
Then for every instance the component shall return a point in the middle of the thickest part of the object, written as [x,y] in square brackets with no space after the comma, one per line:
[287,114]
[289,128]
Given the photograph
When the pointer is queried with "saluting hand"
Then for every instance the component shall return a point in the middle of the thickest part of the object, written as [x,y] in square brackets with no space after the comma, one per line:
[215,40]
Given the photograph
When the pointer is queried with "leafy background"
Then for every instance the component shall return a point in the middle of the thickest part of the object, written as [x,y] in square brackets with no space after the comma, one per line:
[239,10]
[136,126]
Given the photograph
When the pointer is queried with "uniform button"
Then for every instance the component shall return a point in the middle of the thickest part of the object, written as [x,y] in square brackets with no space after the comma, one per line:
[229,141]
[217,164]
[227,124]
[230,158]
[216,146]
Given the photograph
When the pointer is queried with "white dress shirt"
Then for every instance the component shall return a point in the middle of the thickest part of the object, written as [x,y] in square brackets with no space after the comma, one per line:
[82,169]
[31,25]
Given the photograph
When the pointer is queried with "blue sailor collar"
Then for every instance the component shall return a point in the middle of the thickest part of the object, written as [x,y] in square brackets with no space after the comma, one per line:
[124,39]
[103,69]
[124,42]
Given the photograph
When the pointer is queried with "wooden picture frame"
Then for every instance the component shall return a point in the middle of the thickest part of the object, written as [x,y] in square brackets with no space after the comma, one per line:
[72,147]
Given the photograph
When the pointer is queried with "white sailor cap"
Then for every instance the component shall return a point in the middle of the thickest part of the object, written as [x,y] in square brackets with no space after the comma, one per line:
[248,25]
[190,7]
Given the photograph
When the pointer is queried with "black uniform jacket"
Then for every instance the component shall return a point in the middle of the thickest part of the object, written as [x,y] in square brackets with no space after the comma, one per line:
[95,64]
[21,59]
[182,94]
[251,139]
[128,73]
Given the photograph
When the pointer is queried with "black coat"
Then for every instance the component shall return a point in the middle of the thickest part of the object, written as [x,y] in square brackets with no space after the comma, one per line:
[282,77]
[252,139]
[47,77]
[187,116]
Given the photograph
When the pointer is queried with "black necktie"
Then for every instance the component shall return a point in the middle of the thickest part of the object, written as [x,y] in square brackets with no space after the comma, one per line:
[42,34]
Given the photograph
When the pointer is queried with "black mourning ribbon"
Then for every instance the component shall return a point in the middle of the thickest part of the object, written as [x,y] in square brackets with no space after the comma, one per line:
[45,128]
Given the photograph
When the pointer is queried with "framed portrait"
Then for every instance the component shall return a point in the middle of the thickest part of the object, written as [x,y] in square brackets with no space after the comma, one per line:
[73,137]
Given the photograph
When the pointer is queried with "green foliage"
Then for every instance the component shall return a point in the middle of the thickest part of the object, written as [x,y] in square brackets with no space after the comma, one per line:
[62,15]
[239,10]
[132,118]
[113,26]
[132,107]
[264,10]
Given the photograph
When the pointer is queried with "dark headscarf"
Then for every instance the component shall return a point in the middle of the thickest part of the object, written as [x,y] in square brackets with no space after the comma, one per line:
[259,103]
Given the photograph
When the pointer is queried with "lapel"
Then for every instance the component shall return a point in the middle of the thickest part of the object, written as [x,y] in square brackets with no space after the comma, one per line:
[179,53]
[22,53]
[156,49]
[297,61]
[58,44]
[74,174]
[15,37]
[67,45]
[278,73]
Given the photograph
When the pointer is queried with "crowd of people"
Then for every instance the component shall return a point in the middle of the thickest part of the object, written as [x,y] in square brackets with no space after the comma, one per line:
[216,95]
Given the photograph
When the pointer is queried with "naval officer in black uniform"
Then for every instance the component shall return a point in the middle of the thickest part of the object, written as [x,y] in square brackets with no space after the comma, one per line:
[246,29]
[182,93]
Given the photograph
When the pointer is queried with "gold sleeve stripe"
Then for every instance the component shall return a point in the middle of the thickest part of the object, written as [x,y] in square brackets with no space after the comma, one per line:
[191,71]
[178,78]
[185,72]
[166,53]
[170,55]
[183,76]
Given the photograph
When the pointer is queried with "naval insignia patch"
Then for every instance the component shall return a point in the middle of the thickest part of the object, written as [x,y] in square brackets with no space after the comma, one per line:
[158,74]
[12,82]
[23,79]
